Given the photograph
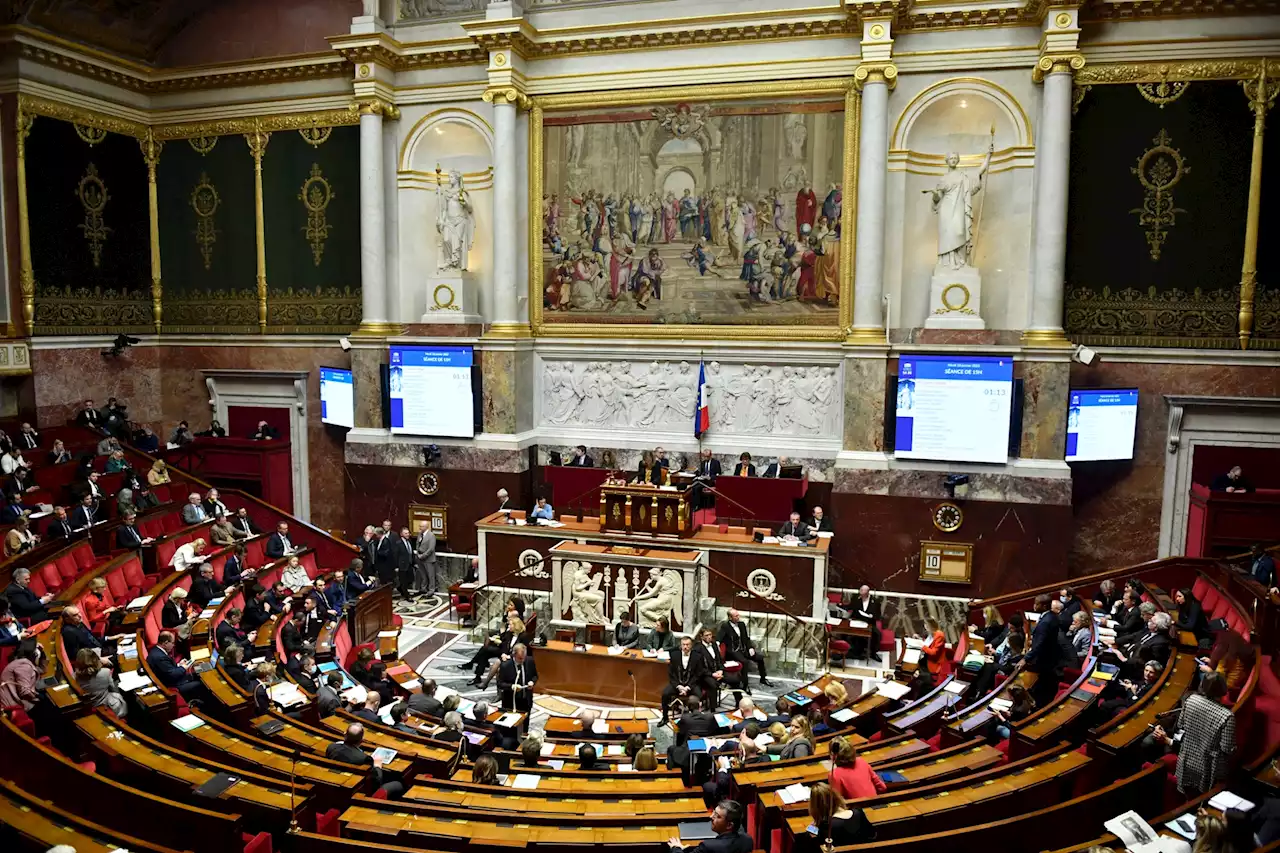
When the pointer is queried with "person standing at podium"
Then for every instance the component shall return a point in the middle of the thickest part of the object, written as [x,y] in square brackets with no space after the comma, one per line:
[516,678]
[708,470]
[580,459]
[648,471]
[744,468]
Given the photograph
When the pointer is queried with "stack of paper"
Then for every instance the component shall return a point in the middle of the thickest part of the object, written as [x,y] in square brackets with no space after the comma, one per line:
[613,749]
[956,686]
[412,685]
[1001,704]
[911,656]
[1226,800]
[797,793]
[133,679]
[286,693]
[844,715]
[764,739]
[385,754]
[187,723]
[600,727]
[547,749]
[355,695]
[527,781]
[625,768]
[615,650]
[893,689]
[138,603]
[509,720]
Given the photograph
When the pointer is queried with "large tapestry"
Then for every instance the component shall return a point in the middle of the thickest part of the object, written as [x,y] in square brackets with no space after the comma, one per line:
[1158,206]
[696,211]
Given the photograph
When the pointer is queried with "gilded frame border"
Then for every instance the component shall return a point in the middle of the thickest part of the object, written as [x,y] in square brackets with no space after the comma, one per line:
[716,92]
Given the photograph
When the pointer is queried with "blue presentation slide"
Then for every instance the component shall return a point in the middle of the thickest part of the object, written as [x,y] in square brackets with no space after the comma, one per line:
[1101,424]
[431,391]
[337,397]
[954,408]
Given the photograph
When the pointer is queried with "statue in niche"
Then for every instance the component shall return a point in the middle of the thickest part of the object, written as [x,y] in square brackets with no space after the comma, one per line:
[953,202]
[662,597]
[455,221]
[581,593]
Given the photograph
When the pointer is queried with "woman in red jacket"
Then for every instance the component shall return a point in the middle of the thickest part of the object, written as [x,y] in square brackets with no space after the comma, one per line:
[851,776]
[935,651]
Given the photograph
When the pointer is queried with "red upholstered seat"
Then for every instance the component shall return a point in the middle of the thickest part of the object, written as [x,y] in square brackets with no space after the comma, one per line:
[1200,587]
[49,574]
[1209,601]
[68,567]
[380,794]
[327,823]
[887,640]
[161,492]
[255,552]
[260,843]
[118,587]
[84,556]
[171,521]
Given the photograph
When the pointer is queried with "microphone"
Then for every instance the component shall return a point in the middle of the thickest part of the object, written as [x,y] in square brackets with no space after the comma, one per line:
[293,769]
[632,675]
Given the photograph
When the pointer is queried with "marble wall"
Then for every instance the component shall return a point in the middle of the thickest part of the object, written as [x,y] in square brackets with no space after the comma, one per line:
[1117,504]
[164,385]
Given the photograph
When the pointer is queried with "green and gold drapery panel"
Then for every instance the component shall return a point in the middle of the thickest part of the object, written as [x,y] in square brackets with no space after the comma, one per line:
[1156,225]
[90,231]
[1266,311]
[208,238]
[311,207]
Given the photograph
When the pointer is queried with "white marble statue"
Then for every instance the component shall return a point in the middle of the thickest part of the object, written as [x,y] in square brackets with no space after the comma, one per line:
[797,134]
[585,601]
[662,597]
[455,222]
[953,203]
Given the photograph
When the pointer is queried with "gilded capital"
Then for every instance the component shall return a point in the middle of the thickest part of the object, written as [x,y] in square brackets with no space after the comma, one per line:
[507,95]
[1057,63]
[876,72]
[376,107]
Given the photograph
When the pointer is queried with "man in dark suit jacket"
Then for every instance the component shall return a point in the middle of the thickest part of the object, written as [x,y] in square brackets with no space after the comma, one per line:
[795,527]
[819,523]
[24,603]
[128,536]
[1152,645]
[1043,656]
[160,659]
[356,583]
[308,676]
[229,631]
[516,677]
[402,549]
[1132,624]
[713,663]
[60,527]
[366,542]
[89,416]
[279,545]
[241,521]
[384,558]
[76,635]
[580,459]
[726,822]
[708,467]
[84,515]
[774,469]
[204,588]
[696,722]
[369,711]
[28,438]
[256,610]
[349,752]
[738,646]
[424,702]
[398,712]
[291,636]
[744,468]
[867,608]
[684,673]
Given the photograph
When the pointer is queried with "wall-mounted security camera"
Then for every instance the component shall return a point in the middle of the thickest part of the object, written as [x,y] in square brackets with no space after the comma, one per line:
[1084,355]
[345,343]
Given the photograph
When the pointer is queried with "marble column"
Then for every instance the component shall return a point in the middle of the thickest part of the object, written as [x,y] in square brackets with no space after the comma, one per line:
[1053,157]
[373,259]
[873,164]
[505,237]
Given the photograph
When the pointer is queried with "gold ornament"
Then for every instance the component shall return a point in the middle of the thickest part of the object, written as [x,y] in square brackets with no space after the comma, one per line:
[948,517]
[428,483]
[315,136]
[89,133]
[203,144]
[962,307]
[1163,91]
[93,196]
[204,201]
[315,197]
[1159,170]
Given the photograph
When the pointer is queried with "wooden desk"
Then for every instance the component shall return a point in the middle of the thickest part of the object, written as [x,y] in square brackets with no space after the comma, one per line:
[1131,725]
[537,802]
[596,674]
[316,742]
[43,825]
[570,728]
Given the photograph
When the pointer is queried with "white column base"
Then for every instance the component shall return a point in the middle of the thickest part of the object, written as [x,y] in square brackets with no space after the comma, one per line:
[451,297]
[955,299]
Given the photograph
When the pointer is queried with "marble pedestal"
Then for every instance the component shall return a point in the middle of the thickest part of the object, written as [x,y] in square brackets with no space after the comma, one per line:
[451,298]
[955,299]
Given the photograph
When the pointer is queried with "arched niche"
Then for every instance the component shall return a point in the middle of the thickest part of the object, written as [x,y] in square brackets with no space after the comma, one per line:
[957,115]
[453,138]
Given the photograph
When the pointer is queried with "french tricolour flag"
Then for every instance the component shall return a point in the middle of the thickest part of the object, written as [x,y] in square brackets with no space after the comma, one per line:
[702,416]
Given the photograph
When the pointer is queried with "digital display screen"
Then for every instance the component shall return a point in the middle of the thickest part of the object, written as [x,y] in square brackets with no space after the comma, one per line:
[1101,424]
[337,397]
[954,408]
[430,391]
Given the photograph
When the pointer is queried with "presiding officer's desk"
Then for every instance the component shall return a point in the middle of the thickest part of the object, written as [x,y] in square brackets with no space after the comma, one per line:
[593,673]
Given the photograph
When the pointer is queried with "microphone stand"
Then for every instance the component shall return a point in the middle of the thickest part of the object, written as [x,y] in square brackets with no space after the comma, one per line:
[293,772]
[633,695]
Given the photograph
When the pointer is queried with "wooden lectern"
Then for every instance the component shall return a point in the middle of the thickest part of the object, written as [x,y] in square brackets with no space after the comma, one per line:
[644,509]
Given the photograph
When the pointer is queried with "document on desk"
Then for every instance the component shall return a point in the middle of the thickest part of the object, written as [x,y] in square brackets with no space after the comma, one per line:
[600,727]
[613,749]
[506,721]
[546,749]
[893,689]
[187,723]
[956,686]
[844,715]
[133,679]
[526,781]
[1224,800]
[797,793]
[911,656]
[286,693]
[139,602]
[1135,832]
[385,754]
[616,650]
[412,685]
[1000,704]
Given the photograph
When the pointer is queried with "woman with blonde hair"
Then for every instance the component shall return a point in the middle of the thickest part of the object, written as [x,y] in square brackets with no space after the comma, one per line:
[646,760]
[836,824]
[994,630]
[835,692]
[159,473]
[516,634]
[799,738]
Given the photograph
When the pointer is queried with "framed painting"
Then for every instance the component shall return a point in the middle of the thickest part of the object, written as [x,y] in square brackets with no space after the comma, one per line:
[707,211]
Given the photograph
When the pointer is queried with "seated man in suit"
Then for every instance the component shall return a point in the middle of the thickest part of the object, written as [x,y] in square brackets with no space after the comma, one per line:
[328,699]
[714,674]
[28,438]
[193,512]
[308,674]
[726,822]
[1262,567]
[278,545]
[89,416]
[243,522]
[774,469]
[349,752]
[85,514]
[794,529]
[76,636]
[128,536]
[580,459]
[234,571]
[738,646]
[204,588]
[424,702]
[170,673]
[278,598]
[369,711]
[516,677]
[1153,645]
[15,509]
[60,527]
[684,673]
[292,634]
[744,468]
[222,533]
[256,610]
[819,523]
[399,711]
[24,603]
[626,633]
[229,631]
[264,432]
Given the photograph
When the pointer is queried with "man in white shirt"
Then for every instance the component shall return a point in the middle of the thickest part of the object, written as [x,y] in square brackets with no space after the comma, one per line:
[188,556]
[13,460]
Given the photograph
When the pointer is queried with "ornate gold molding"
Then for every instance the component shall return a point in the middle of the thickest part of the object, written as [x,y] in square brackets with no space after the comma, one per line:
[205,201]
[1154,72]
[506,95]
[374,106]
[26,275]
[32,105]
[1143,10]
[876,72]
[93,196]
[267,124]
[212,311]
[1159,169]
[151,148]
[329,310]
[257,140]
[315,195]
[1204,319]
[1060,63]
[91,310]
